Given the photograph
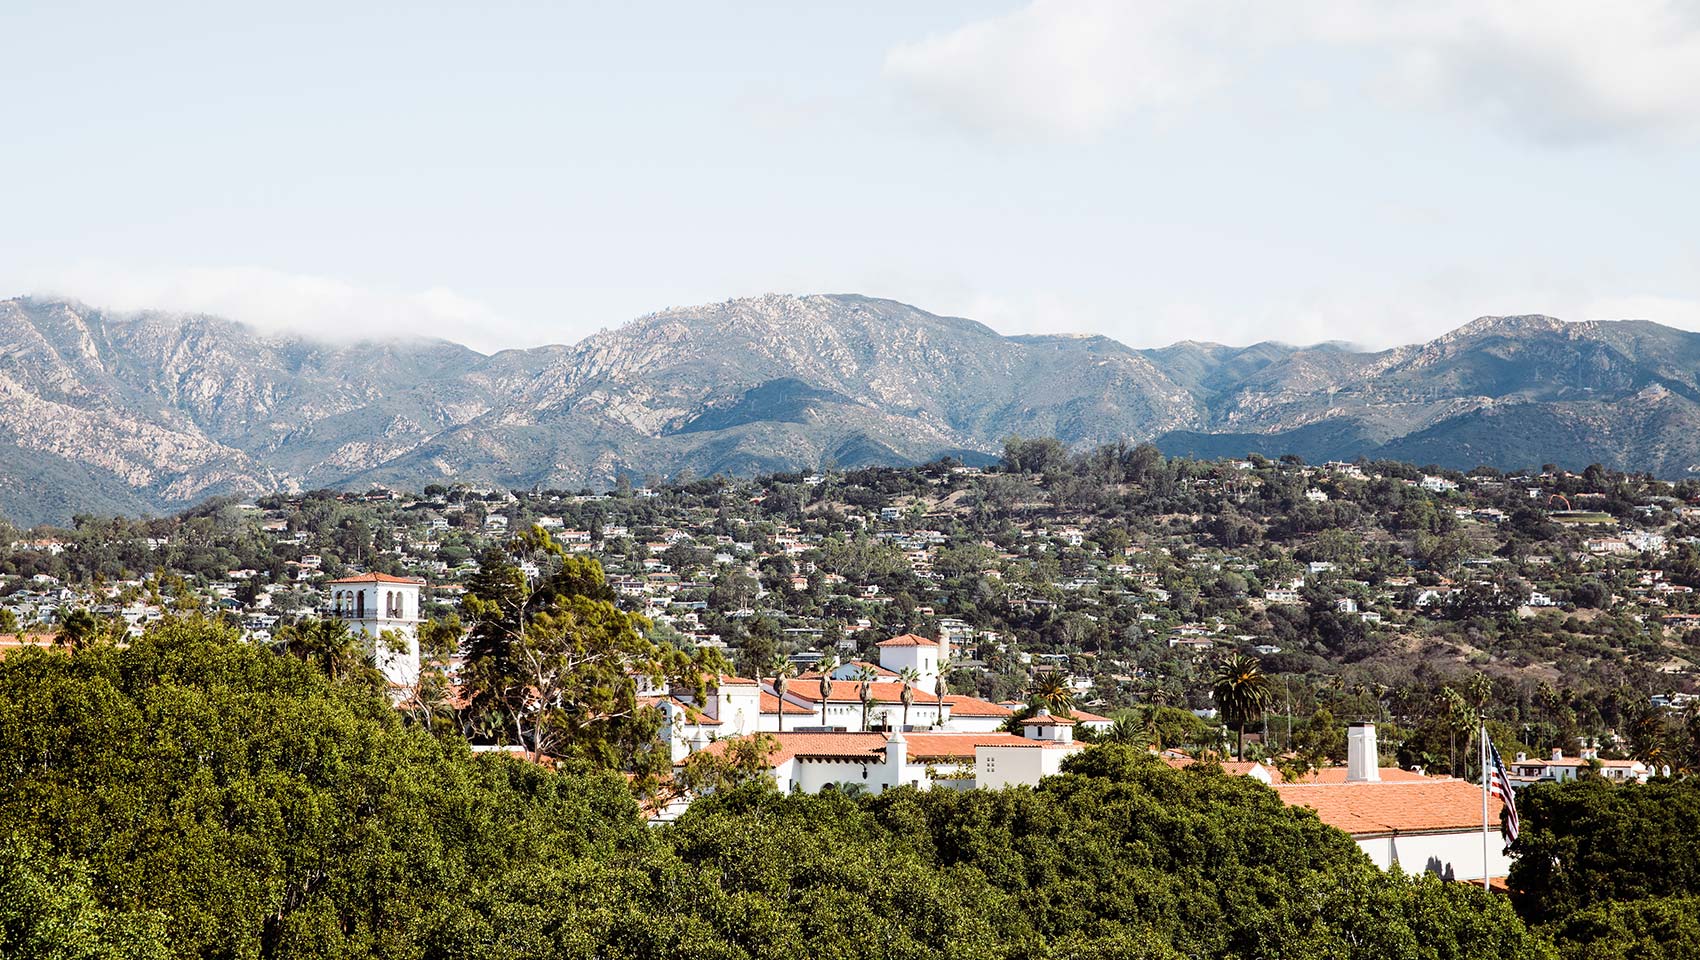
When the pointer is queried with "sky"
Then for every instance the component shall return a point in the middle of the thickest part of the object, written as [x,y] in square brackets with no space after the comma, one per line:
[510,174]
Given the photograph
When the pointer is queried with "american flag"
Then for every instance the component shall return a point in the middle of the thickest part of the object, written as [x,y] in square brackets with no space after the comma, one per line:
[1499,785]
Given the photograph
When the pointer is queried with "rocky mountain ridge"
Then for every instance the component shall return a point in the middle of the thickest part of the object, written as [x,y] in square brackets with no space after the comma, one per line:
[104,412]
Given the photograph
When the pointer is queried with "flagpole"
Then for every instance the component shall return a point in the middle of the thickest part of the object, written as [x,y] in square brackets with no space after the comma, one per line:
[1482,749]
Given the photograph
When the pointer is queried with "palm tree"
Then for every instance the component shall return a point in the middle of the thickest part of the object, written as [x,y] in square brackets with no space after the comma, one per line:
[1053,694]
[941,684]
[781,683]
[1126,730]
[77,627]
[909,676]
[1649,738]
[1241,690]
[1457,717]
[826,666]
[866,677]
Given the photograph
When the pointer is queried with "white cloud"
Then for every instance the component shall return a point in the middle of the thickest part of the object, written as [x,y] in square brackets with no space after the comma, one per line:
[1552,70]
[274,301]
[1068,68]
[1563,70]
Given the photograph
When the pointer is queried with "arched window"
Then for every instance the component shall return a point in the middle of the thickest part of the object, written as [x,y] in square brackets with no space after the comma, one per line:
[359,604]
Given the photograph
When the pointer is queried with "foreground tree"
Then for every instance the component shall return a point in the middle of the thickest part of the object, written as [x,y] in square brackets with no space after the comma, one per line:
[558,664]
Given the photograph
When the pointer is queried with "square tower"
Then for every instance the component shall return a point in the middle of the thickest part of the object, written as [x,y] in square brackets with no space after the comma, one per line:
[378,607]
[914,651]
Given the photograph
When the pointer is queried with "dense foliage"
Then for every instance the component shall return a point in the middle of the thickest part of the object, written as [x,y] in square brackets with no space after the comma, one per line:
[1614,872]
[193,796]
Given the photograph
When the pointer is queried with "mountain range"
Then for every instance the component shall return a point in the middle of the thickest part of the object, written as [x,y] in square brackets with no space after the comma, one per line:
[104,412]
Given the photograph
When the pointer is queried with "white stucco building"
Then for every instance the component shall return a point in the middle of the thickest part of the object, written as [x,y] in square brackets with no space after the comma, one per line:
[1423,824]
[917,652]
[811,761]
[383,611]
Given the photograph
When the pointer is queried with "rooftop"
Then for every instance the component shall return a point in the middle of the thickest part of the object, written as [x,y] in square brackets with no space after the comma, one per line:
[908,640]
[380,578]
[1391,807]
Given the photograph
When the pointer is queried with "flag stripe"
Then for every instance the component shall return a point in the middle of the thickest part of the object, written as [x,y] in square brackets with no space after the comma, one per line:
[1499,785]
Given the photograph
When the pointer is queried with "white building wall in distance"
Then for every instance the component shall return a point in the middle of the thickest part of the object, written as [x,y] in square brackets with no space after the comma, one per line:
[996,767]
[1456,855]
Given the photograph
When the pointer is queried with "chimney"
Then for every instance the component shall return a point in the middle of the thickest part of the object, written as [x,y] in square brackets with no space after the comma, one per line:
[1557,754]
[896,755]
[1362,763]
[1522,757]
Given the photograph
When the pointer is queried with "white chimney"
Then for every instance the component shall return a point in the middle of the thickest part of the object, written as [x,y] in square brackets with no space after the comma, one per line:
[896,755]
[1362,763]
[1557,754]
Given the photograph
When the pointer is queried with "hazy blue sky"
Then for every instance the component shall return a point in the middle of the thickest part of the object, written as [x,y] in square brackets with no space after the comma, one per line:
[510,174]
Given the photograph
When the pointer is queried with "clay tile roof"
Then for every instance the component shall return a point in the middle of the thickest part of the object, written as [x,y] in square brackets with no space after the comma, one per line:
[379,578]
[727,680]
[17,641]
[962,705]
[1416,806]
[770,704]
[866,747]
[849,691]
[953,746]
[1338,775]
[695,715]
[1048,720]
[907,640]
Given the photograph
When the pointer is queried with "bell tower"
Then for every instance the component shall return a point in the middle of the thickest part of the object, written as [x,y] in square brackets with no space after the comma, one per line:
[384,612]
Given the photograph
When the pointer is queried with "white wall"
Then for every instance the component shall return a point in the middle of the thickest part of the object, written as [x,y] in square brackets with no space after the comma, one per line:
[400,667]
[812,776]
[1457,854]
[996,766]
[738,708]
[891,715]
[925,660]
[960,724]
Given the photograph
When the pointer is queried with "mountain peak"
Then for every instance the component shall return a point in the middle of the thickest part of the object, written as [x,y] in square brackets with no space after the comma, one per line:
[1516,324]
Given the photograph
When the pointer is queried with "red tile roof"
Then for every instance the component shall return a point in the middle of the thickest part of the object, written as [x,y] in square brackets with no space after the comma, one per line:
[1388,775]
[849,691]
[17,641]
[693,714]
[824,746]
[870,747]
[907,640]
[1048,720]
[962,705]
[1412,806]
[770,704]
[379,578]
[958,746]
